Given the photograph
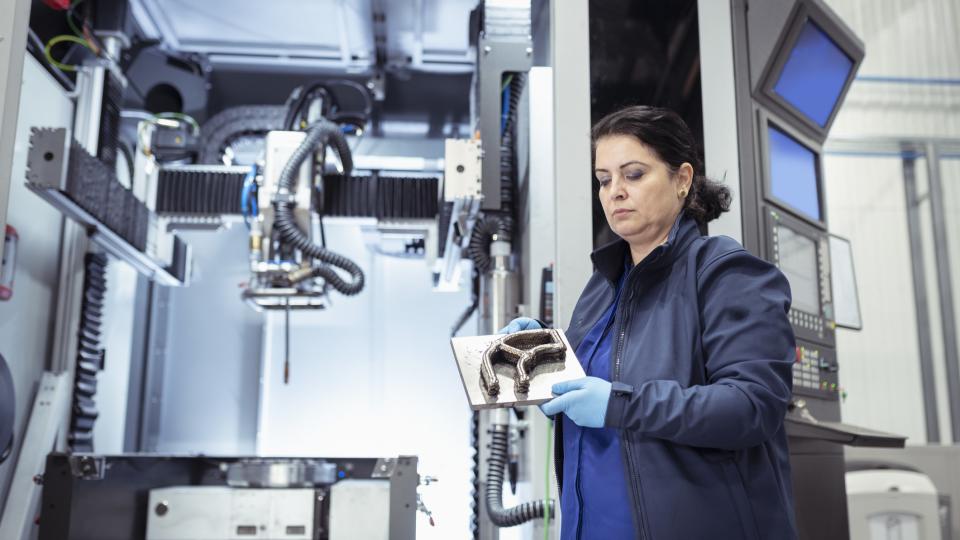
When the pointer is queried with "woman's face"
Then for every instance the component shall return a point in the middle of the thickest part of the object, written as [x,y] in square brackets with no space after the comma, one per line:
[639,197]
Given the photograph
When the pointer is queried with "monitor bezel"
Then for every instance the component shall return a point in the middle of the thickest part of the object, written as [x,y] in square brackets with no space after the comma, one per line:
[841,35]
[773,216]
[765,118]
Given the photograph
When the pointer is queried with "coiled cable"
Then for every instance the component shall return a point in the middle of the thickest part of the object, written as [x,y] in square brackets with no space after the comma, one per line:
[522,513]
[319,135]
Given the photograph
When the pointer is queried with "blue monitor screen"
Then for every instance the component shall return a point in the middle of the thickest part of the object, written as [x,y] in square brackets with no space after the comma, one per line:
[793,173]
[814,75]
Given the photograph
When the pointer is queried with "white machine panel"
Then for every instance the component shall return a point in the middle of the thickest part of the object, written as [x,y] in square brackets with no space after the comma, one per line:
[225,513]
[892,505]
[462,169]
[360,509]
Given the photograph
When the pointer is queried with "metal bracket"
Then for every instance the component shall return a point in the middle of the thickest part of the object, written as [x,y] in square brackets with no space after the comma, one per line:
[88,467]
[526,350]
[505,46]
[384,468]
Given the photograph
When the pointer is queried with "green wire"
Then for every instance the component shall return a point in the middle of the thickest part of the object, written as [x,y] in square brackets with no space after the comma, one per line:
[506,82]
[546,492]
[61,39]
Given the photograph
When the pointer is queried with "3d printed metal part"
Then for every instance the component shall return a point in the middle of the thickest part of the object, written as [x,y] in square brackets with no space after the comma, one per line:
[525,350]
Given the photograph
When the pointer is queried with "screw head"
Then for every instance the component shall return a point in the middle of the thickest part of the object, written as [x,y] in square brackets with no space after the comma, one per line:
[162,508]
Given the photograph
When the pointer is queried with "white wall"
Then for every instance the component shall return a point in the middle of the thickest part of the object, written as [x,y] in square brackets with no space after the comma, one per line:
[865,199]
[374,376]
[26,321]
[904,38]
[879,366]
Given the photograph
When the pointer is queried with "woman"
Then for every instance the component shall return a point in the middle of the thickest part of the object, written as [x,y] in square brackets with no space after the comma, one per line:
[678,429]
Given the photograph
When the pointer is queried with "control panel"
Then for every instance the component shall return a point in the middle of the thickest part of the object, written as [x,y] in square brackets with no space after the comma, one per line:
[802,253]
[815,371]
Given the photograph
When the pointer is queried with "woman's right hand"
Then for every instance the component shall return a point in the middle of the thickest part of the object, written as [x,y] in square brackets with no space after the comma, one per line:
[520,323]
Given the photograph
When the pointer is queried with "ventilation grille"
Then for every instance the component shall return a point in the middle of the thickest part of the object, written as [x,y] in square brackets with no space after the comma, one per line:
[200,190]
[381,197]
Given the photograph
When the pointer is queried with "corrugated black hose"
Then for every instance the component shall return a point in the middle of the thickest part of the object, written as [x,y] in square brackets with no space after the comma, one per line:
[500,222]
[319,135]
[522,513]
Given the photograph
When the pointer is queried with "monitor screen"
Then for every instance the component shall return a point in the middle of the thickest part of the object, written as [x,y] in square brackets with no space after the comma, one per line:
[798,261]
[814,74]
[793,173]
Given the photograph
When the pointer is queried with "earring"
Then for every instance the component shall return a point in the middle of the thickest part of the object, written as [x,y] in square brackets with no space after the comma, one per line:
[682,194]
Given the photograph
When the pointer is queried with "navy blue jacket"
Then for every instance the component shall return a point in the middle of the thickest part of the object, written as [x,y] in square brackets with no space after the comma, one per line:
[701,372]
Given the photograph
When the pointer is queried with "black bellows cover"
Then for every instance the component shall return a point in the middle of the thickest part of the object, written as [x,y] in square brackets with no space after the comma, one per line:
[382,197]
[199,191]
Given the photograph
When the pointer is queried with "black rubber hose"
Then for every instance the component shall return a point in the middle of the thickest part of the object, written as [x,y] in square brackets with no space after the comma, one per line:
[478,249]
[318,135]
[522,513]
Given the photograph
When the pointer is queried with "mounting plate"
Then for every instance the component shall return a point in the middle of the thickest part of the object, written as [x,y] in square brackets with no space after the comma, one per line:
[468,353]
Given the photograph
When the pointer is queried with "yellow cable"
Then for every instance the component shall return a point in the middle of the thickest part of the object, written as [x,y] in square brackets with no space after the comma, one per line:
[62,39]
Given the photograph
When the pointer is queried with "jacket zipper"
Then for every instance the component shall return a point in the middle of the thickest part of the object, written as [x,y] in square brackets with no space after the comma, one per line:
[624,438]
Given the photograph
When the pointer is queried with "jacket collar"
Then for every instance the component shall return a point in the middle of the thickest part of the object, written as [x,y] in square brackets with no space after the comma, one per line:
[609,259]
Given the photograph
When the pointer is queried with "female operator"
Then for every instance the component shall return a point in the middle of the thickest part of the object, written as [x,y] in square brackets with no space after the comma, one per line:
[677,432]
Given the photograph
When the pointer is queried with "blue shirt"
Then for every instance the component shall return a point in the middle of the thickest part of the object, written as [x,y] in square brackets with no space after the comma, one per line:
[594,502]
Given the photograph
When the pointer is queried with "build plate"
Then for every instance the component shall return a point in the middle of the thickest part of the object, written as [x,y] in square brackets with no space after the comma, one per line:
[468,352]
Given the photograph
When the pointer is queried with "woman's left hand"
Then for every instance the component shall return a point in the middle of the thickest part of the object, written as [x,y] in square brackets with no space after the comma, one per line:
[584,401]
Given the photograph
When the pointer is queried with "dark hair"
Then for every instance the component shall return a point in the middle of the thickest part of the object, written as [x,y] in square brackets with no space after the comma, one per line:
[664,132]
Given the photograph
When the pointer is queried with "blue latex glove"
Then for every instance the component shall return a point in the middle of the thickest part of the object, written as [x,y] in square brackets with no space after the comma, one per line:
[520,323]
[584,401]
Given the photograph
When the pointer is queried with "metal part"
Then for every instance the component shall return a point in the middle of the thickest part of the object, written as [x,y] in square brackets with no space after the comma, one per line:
[941,245]
[87,467]
[469,355]
[498,291]
[570,58]
[222,513]
[462,175]
[276,282]
[924,340]
[463,216]
[524,351]
[505,46]
[286,341]
[274,299]
[721,143]
[270,473]
[360,509]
